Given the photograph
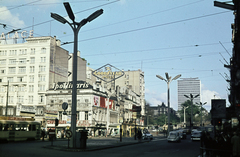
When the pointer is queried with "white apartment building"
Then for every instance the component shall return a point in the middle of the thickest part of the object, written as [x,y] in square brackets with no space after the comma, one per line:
[134,80]
[27,70]
[187,86]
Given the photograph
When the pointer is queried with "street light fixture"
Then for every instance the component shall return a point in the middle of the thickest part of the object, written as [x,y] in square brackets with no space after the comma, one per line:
[201,104]
[191,97]
[168,80]
[75,27]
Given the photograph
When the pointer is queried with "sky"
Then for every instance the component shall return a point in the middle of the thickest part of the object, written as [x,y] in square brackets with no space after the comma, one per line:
[187,37]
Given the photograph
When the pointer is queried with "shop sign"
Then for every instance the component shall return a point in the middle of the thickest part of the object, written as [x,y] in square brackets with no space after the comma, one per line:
[51,116]
[29,109]
[108,73]
[51,111]
[69,85]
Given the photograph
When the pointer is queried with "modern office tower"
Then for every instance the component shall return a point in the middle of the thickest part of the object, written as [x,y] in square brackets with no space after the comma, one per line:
[187,86]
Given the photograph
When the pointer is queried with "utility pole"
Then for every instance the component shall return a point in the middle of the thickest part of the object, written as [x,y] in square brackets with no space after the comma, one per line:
[7,99]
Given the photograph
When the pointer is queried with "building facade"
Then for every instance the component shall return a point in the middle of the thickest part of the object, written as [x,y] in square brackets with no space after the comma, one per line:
[36,79]
[27,71]
[187,86]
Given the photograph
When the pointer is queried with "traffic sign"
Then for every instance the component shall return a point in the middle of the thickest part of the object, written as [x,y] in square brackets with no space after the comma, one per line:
[68,133]
[64,106]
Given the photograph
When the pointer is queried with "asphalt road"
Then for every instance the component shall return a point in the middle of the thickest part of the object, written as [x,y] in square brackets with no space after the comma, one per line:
[156,147]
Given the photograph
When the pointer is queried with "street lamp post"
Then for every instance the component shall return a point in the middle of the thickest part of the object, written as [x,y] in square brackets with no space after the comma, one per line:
[168,80]
[75,27]
[191,97]
[201,104]
[184,109]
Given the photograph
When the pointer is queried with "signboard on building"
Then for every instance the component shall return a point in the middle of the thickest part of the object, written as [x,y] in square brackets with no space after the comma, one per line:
[218,108]
[108,73]
[69,85]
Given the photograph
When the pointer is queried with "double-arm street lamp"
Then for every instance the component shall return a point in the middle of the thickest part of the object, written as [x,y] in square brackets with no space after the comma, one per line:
[168,80]
[75,27]
[201,104]
[191,97]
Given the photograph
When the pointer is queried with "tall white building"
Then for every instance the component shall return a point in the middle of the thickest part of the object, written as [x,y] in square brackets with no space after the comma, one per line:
[187,86]
[31,68]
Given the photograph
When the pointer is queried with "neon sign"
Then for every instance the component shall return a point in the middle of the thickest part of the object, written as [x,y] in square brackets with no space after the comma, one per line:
[17,35]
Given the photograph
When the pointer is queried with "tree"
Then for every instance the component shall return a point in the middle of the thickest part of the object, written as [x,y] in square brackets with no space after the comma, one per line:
[196,111]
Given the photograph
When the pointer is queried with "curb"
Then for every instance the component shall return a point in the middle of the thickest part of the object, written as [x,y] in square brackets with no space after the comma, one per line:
[62,148]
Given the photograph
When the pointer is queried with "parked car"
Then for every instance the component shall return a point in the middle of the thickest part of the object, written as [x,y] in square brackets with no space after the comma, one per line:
[196,135]
[174,136]
[147,136]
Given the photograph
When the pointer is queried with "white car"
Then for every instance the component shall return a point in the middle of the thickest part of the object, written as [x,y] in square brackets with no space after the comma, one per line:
[196,135]
[147,136]
[174,136]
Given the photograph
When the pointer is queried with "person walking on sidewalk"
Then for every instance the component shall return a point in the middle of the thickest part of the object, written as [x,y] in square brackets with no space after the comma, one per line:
[235,141]
[43,134]
[139,135]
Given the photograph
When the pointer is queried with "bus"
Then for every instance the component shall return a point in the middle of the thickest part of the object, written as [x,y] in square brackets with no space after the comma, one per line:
[14,130]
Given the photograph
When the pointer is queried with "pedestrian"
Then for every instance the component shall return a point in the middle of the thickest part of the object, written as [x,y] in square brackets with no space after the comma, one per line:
[235,141]
[208,143]
[139,135]
[43,134]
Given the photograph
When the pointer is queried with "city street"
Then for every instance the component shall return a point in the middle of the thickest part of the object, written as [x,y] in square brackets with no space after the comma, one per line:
[158,146]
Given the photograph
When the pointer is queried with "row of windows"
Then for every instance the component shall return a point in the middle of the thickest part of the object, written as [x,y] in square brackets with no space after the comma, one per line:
[19,127]
[20,51]
[21,61]
[22,88]
[21,99]
[22,69]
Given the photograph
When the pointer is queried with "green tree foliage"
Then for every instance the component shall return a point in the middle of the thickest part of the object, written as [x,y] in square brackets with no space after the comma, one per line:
[196,111]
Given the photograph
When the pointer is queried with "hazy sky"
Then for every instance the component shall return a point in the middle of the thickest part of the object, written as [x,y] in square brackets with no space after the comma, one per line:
[188,37]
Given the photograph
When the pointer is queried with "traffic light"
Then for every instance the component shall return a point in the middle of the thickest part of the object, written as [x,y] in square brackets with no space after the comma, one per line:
[219,122]
[56,122]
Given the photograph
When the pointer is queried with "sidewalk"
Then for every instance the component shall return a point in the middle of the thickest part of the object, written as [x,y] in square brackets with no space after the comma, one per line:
[96,143]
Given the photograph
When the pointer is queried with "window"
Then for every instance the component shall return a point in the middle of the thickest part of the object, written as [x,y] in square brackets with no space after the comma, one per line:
[21,88]
[32,51]
[86,115]
[31,88]
[31,78]
[2,89]
[12,70]
[32,69]
[22,70]
[22,51]
[42,78]
[12,61]
[10,79]
[32,60]
[43,59]
[30,99]
[43,50]
[3,52]
[22,60]
[41,87]
[20,99]
[42,68]
[2,61]
[13,52]
[20,79]
[10,99]
[41,98]
[11,88]
[2,71]
[1,100]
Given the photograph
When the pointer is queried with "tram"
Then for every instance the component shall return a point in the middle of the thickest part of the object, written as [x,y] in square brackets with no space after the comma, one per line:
[15,130]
